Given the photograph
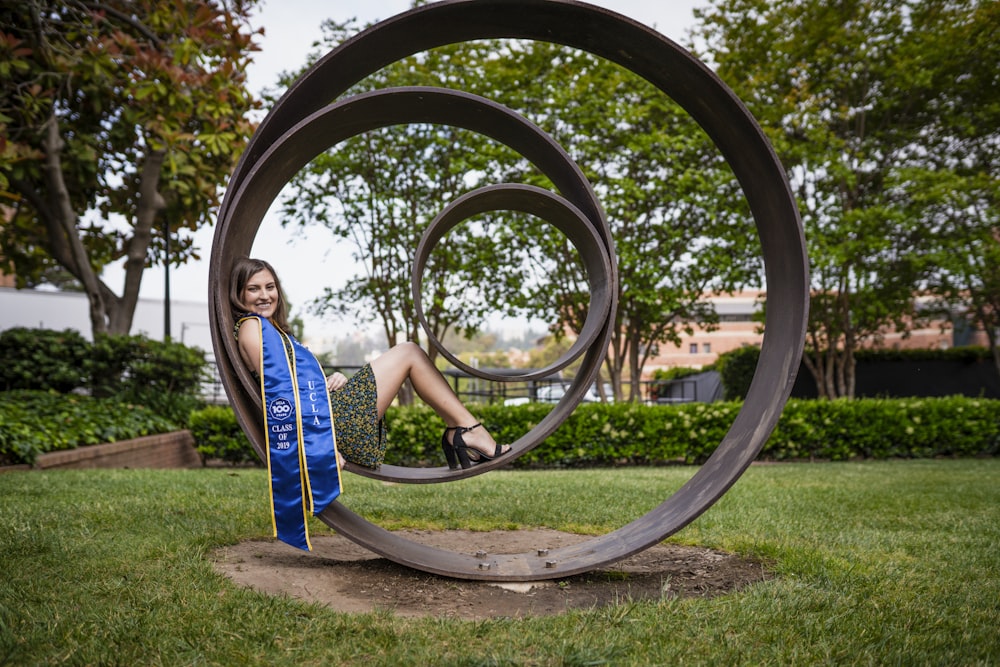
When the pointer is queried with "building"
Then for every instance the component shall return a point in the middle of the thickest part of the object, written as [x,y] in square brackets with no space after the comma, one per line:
[740,324]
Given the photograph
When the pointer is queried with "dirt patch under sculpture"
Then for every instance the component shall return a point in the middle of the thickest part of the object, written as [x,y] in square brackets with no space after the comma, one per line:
[349,578]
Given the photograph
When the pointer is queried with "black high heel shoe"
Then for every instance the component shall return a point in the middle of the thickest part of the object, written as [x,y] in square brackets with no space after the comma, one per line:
[449,450]
[463,450]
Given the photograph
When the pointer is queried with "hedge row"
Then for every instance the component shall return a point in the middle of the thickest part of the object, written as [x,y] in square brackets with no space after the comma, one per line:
[594,435]
[620,434]
[163,376]
[35,422]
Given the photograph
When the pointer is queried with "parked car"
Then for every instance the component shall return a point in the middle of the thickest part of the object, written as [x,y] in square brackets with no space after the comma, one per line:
[553,393]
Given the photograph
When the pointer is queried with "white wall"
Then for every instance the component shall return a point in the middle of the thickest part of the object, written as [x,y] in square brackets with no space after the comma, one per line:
[44,309]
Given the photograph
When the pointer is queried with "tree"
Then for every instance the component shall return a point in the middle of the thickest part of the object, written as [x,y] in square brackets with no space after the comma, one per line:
[954,182]
[965,278]
[841,89]
[114,115]
[678,218]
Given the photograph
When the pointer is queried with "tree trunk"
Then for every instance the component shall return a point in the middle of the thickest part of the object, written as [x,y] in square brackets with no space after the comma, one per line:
[840,367]
[64,237]
[849,368]
[615,361]
[830,372]
[845,372]
[108,312]
[634,369]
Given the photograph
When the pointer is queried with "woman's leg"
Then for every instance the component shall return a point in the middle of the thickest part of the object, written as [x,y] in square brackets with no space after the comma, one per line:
[408,360]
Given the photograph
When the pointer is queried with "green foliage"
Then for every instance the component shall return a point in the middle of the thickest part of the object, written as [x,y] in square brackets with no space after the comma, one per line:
[165,376]
[43,359]
[836,84]
[736,368]
[957,191]
[661,182]
[677,372]
[596,434]
[414,434]
[627,434]
[886,428]
[217,435]
[615,434]
[35,422]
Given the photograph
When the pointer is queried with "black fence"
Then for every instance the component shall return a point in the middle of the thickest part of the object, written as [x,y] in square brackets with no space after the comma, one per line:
[470,389]
[703,387]
[902,379]
[212,391]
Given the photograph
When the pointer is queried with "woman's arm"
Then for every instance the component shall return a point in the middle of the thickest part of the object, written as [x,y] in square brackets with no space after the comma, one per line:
[249,341]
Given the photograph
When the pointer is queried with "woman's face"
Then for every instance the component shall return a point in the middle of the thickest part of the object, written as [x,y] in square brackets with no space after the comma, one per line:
[260,294]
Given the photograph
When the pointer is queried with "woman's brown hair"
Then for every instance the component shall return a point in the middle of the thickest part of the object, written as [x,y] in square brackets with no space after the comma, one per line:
[244,269]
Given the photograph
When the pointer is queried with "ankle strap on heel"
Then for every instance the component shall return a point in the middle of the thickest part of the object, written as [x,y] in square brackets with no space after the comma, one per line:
[463,429]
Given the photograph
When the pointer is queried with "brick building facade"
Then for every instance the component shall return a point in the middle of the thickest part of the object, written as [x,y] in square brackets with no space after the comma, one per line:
[740,324]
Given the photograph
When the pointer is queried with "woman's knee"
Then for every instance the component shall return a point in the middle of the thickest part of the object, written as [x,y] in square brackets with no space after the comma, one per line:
[409,350]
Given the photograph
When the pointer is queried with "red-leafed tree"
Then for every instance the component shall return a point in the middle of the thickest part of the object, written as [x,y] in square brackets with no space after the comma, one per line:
[114,114]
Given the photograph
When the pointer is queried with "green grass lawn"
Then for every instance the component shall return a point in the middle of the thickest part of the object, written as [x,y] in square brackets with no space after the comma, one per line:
[877,563]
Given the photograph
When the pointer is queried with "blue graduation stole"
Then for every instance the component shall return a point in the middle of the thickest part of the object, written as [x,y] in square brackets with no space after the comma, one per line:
[301,444]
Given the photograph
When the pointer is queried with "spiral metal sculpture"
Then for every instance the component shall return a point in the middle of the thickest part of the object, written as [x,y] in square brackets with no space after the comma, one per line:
[303,123]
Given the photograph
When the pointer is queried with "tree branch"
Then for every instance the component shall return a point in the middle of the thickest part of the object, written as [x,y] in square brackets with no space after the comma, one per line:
[124,18]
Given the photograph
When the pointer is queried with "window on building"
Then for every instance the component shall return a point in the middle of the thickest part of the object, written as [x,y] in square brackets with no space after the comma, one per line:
[693,348]
[706,348]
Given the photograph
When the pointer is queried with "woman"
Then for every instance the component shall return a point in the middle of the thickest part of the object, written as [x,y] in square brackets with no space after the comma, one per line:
[359,404]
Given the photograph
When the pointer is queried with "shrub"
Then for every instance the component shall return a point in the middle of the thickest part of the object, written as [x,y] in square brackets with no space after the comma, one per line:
[43,359]
[217,435]
[678,372]
[886,428]
[35,422]
[598,434]
[414,435]
[736,369]
[166,376]
[595,434]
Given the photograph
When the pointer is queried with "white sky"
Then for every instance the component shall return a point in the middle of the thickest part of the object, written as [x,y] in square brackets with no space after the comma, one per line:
[291,27]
